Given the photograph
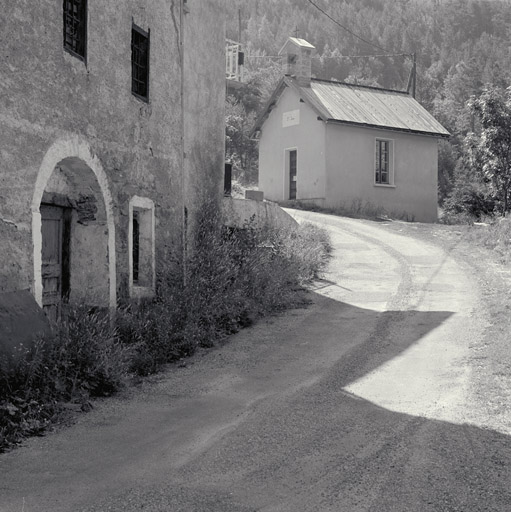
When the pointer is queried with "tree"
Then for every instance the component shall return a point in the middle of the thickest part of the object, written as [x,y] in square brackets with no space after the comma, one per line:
[240,149]
[490,150]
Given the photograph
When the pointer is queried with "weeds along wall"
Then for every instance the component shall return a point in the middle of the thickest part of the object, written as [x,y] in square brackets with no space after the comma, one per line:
[235,275]
[204,108]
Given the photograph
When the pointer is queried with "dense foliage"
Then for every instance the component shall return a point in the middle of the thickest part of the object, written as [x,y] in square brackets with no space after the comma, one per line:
[461,46]
[491,149]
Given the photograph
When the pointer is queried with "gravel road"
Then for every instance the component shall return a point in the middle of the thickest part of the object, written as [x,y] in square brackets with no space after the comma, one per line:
[363,401]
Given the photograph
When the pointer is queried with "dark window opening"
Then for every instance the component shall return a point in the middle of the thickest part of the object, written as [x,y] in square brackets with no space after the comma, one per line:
[140,62]
[292,174]
[75,26]
[136,246]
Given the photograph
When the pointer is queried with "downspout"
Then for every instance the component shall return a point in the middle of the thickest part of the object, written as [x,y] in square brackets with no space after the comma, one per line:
[182,11]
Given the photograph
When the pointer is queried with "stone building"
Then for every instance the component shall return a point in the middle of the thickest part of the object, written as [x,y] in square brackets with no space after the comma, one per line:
[112,129]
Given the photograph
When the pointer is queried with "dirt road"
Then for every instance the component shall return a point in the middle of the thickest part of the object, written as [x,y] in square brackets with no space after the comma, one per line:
[363,401]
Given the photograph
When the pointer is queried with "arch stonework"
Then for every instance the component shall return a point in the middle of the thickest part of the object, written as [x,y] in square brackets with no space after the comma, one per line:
[71,147]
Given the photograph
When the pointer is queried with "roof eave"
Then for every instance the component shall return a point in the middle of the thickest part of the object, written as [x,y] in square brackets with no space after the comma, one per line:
[389,128]
[310,100]
[268,108]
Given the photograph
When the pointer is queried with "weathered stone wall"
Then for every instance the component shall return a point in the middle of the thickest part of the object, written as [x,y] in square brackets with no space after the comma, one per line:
[46,94]
[204,56]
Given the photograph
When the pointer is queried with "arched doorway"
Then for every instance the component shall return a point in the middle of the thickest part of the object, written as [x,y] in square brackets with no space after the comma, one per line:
[73,229]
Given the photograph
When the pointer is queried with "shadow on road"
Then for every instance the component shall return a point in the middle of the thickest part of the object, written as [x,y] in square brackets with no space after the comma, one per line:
[278,433]
[324,449]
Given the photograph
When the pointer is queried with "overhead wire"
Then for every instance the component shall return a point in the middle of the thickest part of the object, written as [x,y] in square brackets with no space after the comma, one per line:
[336,57]
[346,28]
[388,53]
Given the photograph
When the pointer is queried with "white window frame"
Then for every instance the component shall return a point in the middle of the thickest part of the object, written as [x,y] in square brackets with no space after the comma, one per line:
[390,172]
[287,171]
[146,207]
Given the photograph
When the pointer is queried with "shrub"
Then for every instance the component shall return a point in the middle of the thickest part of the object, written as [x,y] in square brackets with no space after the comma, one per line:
[468,201]
[83,358]
[495,235]
[233,275]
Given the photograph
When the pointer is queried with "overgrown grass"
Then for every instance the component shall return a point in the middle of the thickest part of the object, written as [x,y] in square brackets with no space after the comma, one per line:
[83,358]
[233,276]
[357,209]
[494,234]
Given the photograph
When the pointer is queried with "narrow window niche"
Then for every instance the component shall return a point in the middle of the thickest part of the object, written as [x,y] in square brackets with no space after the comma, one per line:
[141,247]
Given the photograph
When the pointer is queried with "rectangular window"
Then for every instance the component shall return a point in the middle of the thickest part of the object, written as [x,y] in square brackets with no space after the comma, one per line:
[292,174]
[140,63]
[75,27]
[382,163]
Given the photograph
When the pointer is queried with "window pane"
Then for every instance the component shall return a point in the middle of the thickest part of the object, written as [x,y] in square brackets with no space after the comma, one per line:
[75,26]
[136,245]
[139,63]
[382,166]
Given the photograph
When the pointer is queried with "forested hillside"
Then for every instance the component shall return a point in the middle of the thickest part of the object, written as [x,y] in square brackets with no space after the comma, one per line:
[461,46]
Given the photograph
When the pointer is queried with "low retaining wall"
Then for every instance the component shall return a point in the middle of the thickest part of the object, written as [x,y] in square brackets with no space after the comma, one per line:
[238,212]
[21,321]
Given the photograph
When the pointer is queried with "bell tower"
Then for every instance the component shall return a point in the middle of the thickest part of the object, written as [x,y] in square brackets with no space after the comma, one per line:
[296,57]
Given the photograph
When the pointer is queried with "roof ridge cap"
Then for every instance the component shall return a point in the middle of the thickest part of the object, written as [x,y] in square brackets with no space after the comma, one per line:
[373,87]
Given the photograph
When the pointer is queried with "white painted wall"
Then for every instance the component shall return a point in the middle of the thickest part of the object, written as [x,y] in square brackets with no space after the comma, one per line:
[302,132]
[351,168]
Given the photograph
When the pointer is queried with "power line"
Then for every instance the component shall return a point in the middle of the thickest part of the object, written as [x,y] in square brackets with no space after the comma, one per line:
[364,56]
[346,28]
[337,57]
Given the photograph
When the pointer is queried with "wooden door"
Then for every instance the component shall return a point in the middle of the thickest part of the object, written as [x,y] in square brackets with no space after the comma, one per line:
[292,174]
[55,225]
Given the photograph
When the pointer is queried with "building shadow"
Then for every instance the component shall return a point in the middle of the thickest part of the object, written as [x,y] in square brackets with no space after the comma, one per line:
[324,449]
[281,434]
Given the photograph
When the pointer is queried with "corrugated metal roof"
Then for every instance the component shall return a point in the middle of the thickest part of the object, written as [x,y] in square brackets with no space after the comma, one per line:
[369,106]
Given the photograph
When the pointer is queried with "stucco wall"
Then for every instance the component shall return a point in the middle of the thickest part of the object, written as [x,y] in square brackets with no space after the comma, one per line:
[49,98]
[204,121]
[307,137]
[351,170]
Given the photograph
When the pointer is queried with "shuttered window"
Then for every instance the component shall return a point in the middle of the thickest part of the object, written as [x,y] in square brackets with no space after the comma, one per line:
[75,27]
[140,63]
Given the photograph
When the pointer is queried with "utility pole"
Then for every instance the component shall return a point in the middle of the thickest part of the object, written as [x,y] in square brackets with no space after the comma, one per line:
[414,74]
[239,25]
[412,79]
[184,223]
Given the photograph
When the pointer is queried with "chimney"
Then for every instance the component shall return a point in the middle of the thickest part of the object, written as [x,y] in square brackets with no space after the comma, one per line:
[296,57]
